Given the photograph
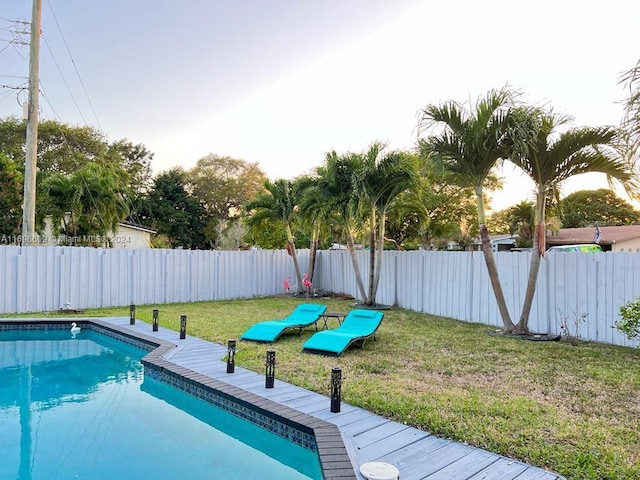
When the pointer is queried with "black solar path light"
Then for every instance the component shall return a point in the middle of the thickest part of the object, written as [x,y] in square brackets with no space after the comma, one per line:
[155,319]
[231,353]
[336,388]
[270,369]
[132,314]
[183,327]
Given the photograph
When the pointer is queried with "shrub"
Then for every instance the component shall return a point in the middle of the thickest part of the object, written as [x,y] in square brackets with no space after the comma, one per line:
[629,322]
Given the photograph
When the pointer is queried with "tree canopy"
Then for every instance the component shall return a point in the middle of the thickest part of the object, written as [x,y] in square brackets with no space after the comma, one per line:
[85,206]
[586,208]
[174,213]
[224,184]
[10,198]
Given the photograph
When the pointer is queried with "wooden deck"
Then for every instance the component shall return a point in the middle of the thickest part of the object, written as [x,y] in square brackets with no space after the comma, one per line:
[368,437]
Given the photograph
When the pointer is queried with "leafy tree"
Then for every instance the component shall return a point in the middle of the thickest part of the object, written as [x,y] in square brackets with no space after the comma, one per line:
[13,134]
[267,234]
[136,161]
[61,148]
[521,218]
[550,161]
[65,150]
[10,197]
[174,212]
[602,206]
[435,208]
[517,219]
[223,185]
[498,222]
[470,145]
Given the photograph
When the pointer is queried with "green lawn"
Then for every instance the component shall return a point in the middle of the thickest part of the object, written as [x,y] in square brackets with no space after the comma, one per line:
[572,409]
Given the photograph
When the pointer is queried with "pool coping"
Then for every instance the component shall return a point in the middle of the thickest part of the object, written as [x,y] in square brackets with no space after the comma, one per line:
[332,452]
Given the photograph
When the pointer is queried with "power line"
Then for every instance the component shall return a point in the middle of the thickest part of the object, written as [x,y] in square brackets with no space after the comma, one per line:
[64,79]
[74,65]
[46,98]
[17,30]
[3,95]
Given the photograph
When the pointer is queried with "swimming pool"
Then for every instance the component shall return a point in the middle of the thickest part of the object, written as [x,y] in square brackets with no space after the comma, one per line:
[86,407]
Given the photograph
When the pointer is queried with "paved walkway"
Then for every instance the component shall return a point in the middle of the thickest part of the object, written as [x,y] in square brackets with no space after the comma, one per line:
[367,437]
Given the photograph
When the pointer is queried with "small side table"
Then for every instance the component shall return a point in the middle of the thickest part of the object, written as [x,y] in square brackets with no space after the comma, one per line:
[337,316]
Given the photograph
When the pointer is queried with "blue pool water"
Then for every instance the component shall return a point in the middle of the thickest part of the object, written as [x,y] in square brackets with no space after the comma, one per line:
[81,408]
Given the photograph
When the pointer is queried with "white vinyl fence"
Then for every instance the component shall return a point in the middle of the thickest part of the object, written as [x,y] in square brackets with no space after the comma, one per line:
[571,286]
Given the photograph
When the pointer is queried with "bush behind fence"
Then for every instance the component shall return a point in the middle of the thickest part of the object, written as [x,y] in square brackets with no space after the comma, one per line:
[584,291]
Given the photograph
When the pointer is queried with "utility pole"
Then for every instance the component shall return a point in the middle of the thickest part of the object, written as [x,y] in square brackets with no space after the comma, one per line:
[31,160]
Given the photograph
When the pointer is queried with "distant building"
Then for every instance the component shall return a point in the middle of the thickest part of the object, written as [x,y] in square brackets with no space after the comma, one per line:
[126,236]
[625,238]
[499,243]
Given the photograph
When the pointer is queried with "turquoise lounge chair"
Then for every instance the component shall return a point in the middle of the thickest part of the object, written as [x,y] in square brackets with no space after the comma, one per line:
[357,326]
[304,315]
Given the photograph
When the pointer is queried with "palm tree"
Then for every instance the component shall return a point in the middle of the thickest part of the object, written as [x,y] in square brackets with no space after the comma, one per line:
[550,162]
[278,203]
[470,145]
[334,191]
[89,203]
[360,188]
[631,119]
[315,211]
[521,221]
[382,178]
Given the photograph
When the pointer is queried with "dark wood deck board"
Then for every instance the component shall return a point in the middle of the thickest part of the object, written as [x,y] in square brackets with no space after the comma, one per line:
[368,437]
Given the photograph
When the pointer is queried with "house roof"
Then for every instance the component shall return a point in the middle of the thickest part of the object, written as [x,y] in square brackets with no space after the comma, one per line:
[133,226]
[608,235]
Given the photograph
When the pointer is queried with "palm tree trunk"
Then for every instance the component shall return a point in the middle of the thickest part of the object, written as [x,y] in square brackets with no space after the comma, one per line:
[296,266]
[356,267]
[522,328]
[294,256]
[372,258]
[490,261]
[494,278]
[379,252]
[313,250]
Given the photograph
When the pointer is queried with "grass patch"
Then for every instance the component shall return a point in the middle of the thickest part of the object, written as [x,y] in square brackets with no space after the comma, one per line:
[572,409]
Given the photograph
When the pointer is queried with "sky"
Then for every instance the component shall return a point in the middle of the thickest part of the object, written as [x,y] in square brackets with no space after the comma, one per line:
[283,82]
